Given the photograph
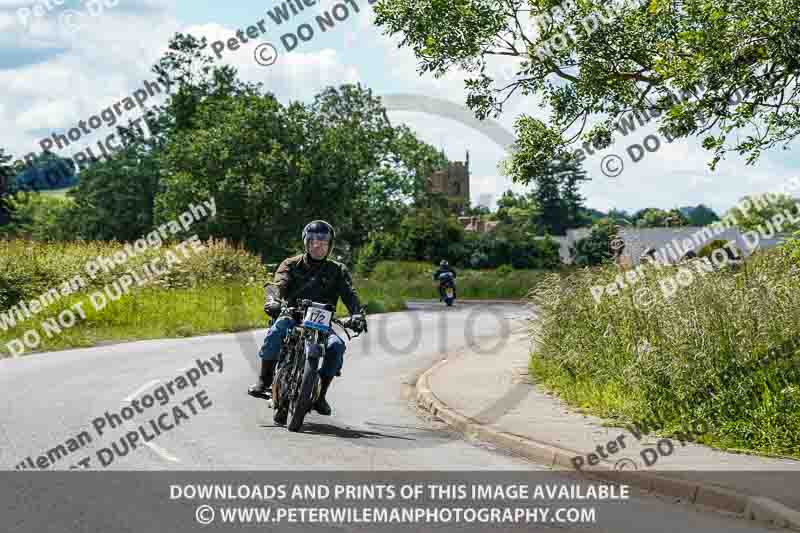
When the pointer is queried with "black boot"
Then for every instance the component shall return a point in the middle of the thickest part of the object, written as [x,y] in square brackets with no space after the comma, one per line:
[321,405]
[263,388]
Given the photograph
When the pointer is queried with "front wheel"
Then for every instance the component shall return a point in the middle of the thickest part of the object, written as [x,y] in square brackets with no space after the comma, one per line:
[305,395]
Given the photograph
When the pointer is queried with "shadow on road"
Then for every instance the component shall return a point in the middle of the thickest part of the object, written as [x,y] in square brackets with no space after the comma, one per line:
[311,428]
[347,433]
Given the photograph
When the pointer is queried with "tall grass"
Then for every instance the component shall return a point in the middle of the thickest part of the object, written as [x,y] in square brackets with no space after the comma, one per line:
[215,290]
[724,351]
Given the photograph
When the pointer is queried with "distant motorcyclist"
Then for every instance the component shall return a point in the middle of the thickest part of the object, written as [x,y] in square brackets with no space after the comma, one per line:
[444,266]
[314,277]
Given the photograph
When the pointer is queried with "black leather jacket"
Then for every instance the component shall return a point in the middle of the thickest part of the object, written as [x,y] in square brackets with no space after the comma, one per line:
[332,280]
[442,270]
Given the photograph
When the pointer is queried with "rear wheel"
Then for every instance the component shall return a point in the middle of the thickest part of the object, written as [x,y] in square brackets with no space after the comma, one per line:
[302,404]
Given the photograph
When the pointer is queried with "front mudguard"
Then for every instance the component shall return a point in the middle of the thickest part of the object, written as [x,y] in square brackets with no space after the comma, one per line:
[314,351]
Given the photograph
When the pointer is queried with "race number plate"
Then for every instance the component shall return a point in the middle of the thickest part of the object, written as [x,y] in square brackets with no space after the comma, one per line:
[449,293]
[317,318]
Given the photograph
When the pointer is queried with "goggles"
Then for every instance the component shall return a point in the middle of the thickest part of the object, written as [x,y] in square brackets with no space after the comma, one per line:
[318,237]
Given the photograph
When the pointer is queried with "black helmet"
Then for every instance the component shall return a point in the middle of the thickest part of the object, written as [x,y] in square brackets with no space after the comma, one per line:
[443,263]
[321,231]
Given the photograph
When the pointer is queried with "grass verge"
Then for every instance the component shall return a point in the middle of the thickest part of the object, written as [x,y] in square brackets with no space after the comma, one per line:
[723,352]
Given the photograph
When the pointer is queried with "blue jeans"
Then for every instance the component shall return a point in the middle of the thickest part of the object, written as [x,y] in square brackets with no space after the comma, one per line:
[334,352]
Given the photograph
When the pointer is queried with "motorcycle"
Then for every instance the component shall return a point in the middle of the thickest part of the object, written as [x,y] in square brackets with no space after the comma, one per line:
[447,282]
[296,385]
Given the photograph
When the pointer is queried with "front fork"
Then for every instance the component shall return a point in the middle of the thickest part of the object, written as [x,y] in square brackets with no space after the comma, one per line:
[315,352]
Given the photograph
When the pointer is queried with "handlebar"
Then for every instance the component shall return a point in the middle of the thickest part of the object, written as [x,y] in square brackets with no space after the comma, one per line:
[345,323]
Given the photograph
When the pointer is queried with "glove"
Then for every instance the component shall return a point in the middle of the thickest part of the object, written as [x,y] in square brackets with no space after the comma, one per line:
[272,308]
[358,323]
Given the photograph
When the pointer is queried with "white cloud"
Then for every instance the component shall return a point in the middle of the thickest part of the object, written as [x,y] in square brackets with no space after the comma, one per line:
[83,73]
[95,68]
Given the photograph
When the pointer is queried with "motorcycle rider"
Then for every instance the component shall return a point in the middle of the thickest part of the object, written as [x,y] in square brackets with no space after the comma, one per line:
[444,266]
[311,276]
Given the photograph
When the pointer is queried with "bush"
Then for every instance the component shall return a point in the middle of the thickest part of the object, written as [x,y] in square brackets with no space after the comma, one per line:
[596,248]
[791,249]
[30,268]
[41,217]
[381,246]
[507,244]
[505,270]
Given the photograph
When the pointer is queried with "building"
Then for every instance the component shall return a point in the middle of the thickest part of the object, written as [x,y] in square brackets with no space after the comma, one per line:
[671,245]
[452,182]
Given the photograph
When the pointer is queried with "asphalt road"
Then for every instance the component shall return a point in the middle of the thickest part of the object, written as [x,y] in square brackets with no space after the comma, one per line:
[54,397]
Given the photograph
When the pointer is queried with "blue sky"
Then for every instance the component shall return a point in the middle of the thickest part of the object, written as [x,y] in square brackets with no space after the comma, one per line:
[65,66]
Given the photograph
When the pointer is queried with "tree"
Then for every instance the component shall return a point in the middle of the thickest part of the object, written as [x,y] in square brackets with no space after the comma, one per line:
[763,209]
[251,155]
[571,174]
[115,198]
[429,234]
[516,209]
[702,216]
[384,167]
[684,62]
[555,194]
[596,248]
[590,216]
[477,211]
[274,168]
[415,161]
[658,218]
[45,172]
[618,215]
[6,176]
[189,68]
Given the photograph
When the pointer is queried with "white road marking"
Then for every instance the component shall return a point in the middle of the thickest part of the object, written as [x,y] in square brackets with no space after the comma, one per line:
[164,454]
[161,452]
[141,389]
